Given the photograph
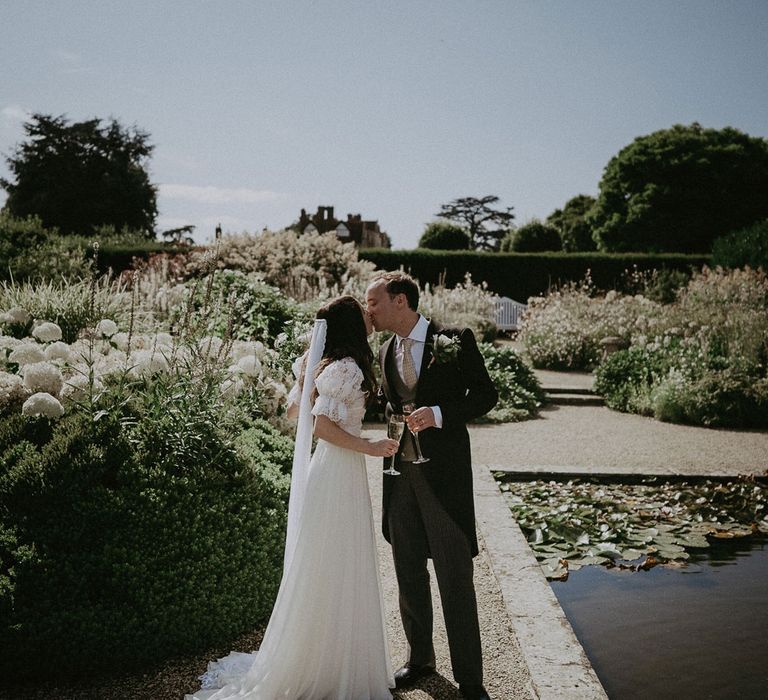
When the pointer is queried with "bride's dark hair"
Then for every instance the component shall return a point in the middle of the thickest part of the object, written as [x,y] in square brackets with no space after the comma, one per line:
[346,336]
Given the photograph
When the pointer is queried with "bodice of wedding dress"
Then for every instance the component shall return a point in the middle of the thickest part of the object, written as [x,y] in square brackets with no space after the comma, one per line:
[340,396]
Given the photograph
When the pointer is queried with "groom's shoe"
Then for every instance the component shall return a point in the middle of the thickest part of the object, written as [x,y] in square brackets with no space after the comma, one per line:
[410,674]
[473,692]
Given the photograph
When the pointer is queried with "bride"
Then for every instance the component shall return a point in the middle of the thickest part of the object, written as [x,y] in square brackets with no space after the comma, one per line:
[325,639]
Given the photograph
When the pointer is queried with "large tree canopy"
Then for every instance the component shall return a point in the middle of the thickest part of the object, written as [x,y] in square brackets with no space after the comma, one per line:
[82,175]
[678,189]
[485,225]
[572,225]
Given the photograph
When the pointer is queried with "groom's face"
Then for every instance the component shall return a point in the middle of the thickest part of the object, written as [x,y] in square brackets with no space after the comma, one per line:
[382,308]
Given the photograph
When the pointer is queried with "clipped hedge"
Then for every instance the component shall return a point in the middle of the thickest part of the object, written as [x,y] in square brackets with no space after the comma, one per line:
[120,257]
[112,557]
[522,275]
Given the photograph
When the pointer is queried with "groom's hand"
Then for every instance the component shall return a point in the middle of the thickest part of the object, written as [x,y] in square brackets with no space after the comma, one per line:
[421,419]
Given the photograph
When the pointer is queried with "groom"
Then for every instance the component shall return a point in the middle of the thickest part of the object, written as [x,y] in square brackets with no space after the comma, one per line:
[429,509]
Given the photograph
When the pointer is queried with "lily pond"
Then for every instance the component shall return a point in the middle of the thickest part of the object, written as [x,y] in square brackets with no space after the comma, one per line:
[663,582]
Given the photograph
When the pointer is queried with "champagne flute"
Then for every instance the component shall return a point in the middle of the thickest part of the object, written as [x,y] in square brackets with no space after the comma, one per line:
[395,429]
[409,408]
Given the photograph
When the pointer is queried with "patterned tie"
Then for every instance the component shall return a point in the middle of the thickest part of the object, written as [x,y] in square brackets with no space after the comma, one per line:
[409,369]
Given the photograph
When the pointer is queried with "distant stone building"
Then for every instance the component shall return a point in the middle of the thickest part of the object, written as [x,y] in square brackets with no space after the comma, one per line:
[364,234]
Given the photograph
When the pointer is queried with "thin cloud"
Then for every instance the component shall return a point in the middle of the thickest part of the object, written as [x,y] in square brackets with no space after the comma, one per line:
[218,195]
[13,114]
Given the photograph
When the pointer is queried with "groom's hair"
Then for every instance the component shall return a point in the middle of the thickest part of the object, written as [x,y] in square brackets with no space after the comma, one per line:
[400,283]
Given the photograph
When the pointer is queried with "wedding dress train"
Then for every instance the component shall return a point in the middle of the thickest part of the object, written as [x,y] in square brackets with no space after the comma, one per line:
[325,639]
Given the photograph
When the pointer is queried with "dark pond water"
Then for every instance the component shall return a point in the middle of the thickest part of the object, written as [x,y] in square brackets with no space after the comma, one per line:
[695,632]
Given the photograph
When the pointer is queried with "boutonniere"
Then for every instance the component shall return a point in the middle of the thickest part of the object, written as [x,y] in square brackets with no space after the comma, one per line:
[445,350]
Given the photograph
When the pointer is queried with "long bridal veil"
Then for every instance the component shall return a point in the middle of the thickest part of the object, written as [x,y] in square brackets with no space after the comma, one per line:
[303,448]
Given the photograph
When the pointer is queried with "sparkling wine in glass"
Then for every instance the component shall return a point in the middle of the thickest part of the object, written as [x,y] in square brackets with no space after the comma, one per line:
[409,408]
[395,429]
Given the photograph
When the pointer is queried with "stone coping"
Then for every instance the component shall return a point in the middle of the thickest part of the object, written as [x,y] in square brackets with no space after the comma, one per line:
[558,666]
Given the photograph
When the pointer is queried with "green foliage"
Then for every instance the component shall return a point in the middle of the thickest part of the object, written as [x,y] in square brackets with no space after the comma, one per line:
[78,176]
[678,189]
[137,536]
[258,310]
[29,251]
[71,305]
[532,237]
[572,225]
[747,246]
[444,235]
[520,394]
[625,379]
[701,360]
[522,275]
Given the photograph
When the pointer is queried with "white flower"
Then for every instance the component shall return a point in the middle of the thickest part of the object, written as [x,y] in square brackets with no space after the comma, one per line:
[42,404]
[26,353]
[165,339]
[111,363]
[8,343]
[57,351]
[11,388]
[76,388]
[106,328]
[16,315]
[144,363]
[210,345]
[250,365]
[232,386]
[47,332]
[42,376]
[241,348]
[121,340]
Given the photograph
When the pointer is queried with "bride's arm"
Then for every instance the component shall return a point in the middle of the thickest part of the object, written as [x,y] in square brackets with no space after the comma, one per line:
[326,429]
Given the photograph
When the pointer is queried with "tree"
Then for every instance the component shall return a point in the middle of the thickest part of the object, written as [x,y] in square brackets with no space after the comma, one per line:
[486,226]
[572,225]
[82,175]
[678,189]
[533,237]
[444,235]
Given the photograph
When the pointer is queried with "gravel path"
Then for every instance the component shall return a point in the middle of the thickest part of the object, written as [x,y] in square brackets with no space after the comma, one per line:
[596,439]
[506,674]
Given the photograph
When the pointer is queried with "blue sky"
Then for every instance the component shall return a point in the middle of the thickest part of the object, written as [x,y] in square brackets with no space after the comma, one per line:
[387,109]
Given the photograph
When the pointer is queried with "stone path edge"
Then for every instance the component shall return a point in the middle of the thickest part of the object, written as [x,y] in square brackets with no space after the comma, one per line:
[557,663]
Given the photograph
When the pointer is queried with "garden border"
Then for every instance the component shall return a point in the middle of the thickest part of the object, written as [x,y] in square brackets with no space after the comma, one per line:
[557,663]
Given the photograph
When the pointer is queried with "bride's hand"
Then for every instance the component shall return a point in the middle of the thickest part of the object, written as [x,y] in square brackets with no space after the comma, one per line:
[382,448]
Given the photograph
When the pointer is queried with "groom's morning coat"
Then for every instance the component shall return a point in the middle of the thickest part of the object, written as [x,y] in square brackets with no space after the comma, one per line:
[463,391]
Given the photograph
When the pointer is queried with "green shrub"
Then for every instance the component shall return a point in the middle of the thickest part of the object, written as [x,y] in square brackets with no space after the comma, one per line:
[260,311]
[520,394]
[532,237]
[133,538]
[71,305]
[625,379]
[723,398]
[523,275]
[747,246]
[29,251]
[444,235]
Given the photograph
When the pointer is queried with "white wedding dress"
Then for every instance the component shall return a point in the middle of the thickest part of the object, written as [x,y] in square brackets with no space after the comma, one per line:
[325,639]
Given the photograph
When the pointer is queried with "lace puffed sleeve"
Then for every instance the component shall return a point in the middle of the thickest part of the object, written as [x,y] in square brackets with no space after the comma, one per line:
[338,388]
[294,395]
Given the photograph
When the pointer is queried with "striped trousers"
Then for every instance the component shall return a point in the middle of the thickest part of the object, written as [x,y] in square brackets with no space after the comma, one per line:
[419,528]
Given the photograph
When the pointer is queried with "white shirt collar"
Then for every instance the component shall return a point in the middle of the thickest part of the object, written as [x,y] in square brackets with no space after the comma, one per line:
[418,332]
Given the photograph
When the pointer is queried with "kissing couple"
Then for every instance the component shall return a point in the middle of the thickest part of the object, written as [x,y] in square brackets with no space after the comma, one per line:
[326,637]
